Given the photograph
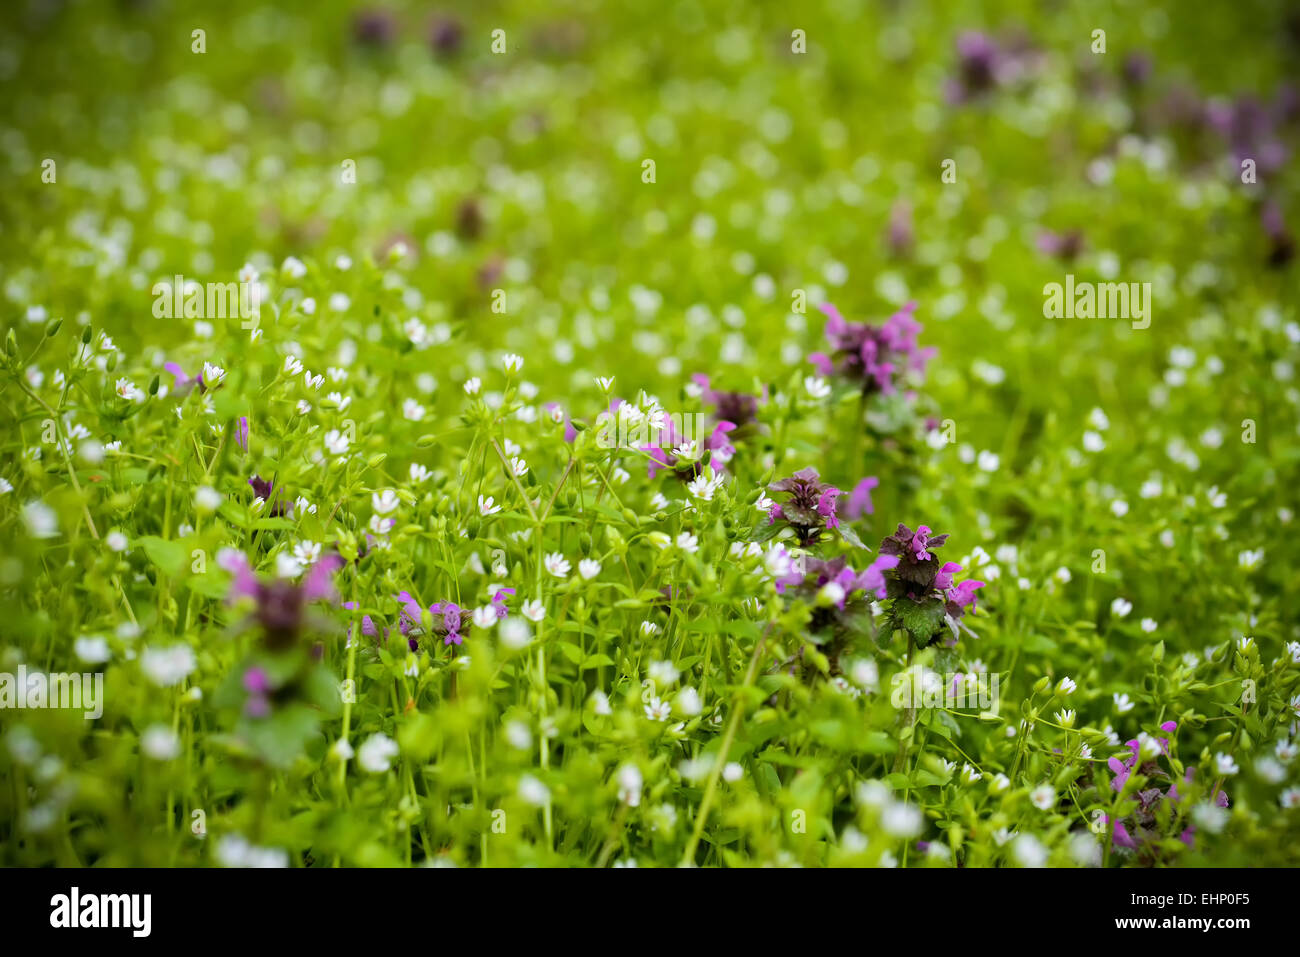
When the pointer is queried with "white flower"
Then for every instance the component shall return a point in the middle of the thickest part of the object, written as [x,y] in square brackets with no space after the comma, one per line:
[1119,508]
[514,633]
[1066,686]
[169,665]
[287,565]
[1043,797]
[689,703]
[412,410]
[816,386]
[1123,704]
[385,502]
[336,443]
[588,568]
[533,791]
[307,553]
[92,649]
[338,400]
[376,753]
[988,461]
[207,499]
[518,735]
[1148,625]
[688,542]
[127,390]
[1029,851]
[704,485]
[1216,498]
[663,673]
[649,629]
[556,564]
[486,505]
[302,505]
[212,375]
[534,610]
[901,820]
[1093,442]
[160,743]
[600,702]
[605,383]
[629,785]
[308,306]
[293,267]
[485,616]
[1062,575]
[5,486]
[1270,770]
[472,385]
[1225,765]
[292,365]
[512,363]
[1097,419]
[234,851]
[518,466]
[342,750]
[340,301]
[1285,751]
[1290,798]
[312,380]
[999,783]
[1209,816]
[303,406]
[1120,607]
[1250,560]
[657,709]
[116,541]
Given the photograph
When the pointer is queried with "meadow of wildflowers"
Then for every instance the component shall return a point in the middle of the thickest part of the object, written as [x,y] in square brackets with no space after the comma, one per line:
[671,434]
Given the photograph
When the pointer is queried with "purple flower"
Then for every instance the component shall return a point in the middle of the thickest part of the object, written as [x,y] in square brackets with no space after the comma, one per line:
[809,508]
[277,505]
[739,408]
[499,601]
[280,604]
[872,357]
[1281,243]
[859,503]
[979,64]
[241,433]
[1065,246]
[447,621]
[715,443]
[375,28]
[919,579]
[446,36]
[258,685]
[900,234]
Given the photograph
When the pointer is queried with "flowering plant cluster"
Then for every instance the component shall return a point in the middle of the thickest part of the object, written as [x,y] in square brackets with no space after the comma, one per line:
[546,512]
